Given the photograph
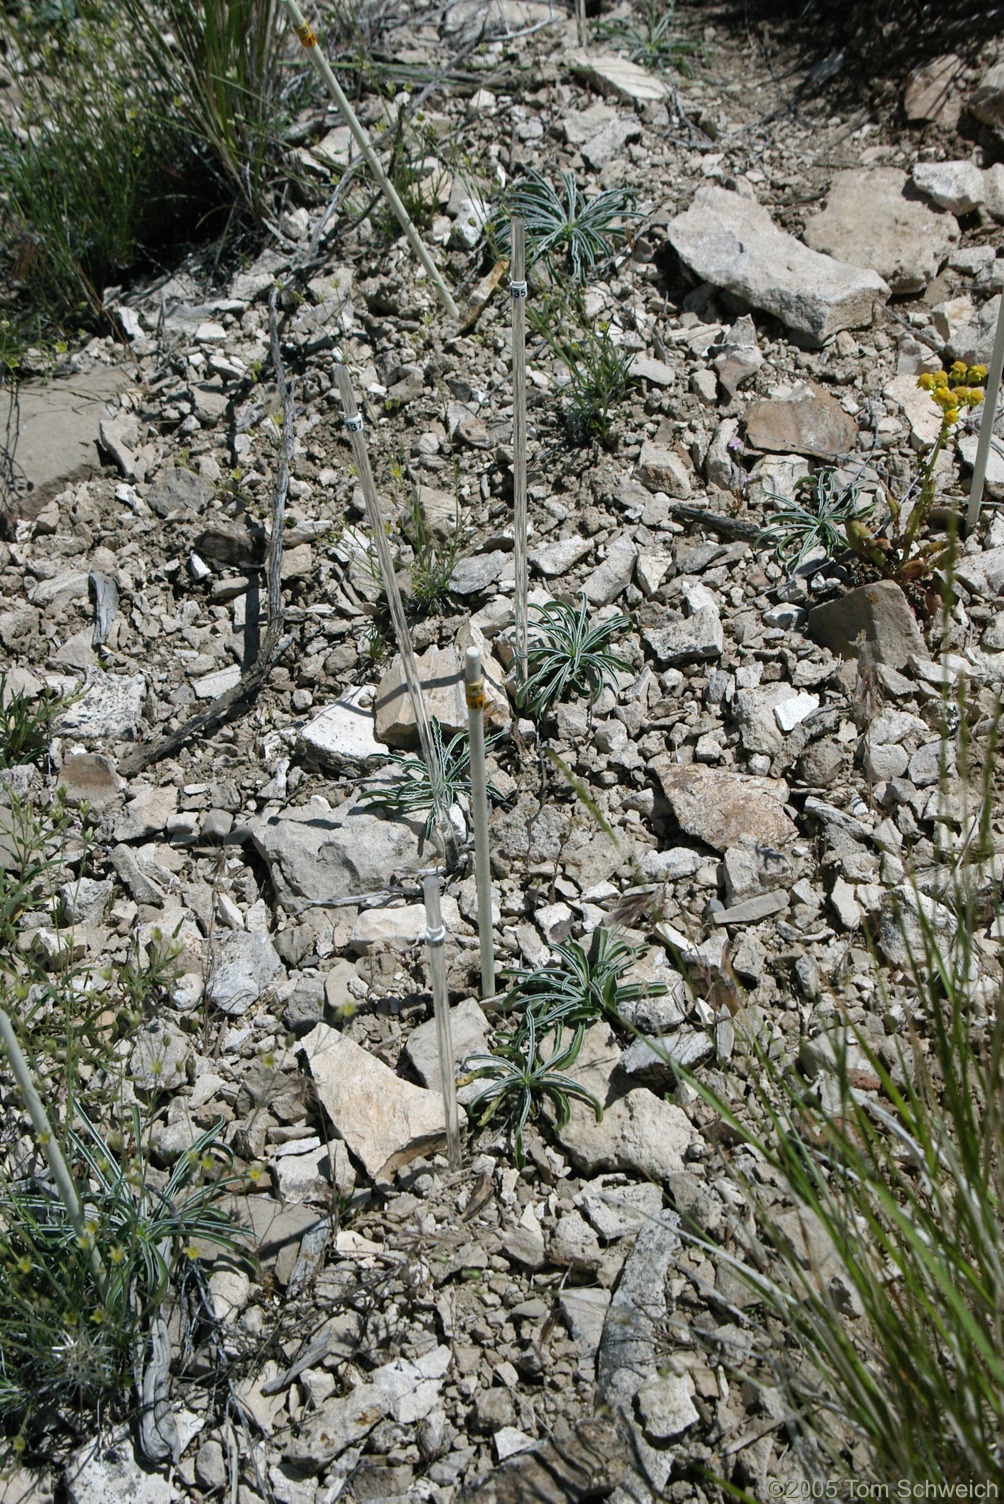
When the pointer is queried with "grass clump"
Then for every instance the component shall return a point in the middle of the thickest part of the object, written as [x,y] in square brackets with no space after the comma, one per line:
[569,656]
[130,127]
[649,38]
[893,1366]
[74,1329]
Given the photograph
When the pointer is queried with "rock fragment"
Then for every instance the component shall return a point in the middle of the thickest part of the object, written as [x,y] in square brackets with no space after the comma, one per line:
[384,1120]
[809,422]
[732,242]
[872,221]
[725,809]
[876,616]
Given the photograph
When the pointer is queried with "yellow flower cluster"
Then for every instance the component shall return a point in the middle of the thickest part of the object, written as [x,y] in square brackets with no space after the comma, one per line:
[952,390]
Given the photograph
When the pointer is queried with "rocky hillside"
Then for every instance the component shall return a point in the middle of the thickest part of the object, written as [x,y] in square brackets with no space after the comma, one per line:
[758,800]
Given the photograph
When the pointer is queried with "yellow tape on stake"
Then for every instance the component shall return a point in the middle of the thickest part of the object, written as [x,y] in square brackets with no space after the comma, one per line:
[306,35]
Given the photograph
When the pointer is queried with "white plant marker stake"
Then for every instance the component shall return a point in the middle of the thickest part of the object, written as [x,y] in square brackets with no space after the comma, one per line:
[320,62]
[436,938]
[354,425]
[50,1148]
[475,687]
[517,288]
[580,19]
[987,423]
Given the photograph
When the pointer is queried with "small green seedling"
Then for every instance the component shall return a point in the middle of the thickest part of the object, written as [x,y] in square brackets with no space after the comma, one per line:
[569,656]
[815,518]
[521,1081]
[559,230]
[413,793]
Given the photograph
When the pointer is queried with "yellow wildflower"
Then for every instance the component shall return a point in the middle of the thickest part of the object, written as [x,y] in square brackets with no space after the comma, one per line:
[959,369]
[926,382]
[976,373]
[952,415]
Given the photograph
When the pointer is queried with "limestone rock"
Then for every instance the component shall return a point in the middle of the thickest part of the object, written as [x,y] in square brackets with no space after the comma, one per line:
[92,778]
[662,469]
[737,355]
[384,1120]
[315,852]
[973,341]
[146,814]
[406,1390]
[994,479]
[987,100]
[666,1406]
[638,1131]
[877,615]
[611,578]
[245,966]
[469,1031]
[957,186]
[587,1465]
[58,424]
[110,708]
[107,1471]
[869,220]
[809,422]
[732,242]
[619,77]
[343,733]
[177,490]
[441,676]
[550,559]
[725,809]
[934,91]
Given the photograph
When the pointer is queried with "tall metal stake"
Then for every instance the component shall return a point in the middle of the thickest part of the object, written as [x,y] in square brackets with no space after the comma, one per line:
[987,423]
[436,938]
[517,287]
[354,425]
[348,114]
[479,813]
[580,21]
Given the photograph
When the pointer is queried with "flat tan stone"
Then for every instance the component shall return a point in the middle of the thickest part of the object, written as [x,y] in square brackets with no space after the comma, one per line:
[384,1121]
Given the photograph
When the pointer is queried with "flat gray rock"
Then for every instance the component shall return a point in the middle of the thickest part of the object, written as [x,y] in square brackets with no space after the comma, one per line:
[733,243]
[316,853]
[406,1390]
[550,559]
[441,676]
[110,708]
[177,490]
[57,432]
[812,422]
[473,574]
[987,100]
[699,638]
[957,186]
[872,220]
[343,733]
[245,966]
[877,615]
[726,809]
[638,1130]
[973,341]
